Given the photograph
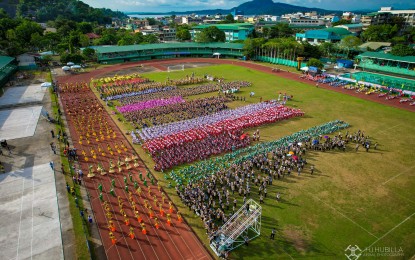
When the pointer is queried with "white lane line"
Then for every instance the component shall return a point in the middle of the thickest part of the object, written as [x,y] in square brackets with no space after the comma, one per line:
[20,222]
[403,221]
[330,206]
[407,170]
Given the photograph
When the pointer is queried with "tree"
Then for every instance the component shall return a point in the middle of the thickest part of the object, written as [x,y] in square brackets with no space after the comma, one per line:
[315,63]
[310,51]
[183,34]
[83,40]
[280,30]
[89,53]
[250,45]
[3,14]
[127,39]
[350,42]
[326,48]
[402,50]
[229,19]
[84,27]
[211,34]
[340,22]
[380,33]
[150,38]
[25,30]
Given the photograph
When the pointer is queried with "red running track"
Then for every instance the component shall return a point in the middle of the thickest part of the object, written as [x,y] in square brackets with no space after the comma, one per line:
[168,242]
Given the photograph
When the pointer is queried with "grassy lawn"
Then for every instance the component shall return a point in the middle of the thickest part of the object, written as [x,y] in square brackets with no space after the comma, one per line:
[354,198]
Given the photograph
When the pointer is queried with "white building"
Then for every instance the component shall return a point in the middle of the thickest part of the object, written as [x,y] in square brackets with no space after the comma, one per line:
[407,15]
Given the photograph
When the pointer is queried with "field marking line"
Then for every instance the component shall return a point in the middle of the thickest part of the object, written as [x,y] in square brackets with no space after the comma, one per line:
[387,129]
[287,253]
[403,221]
[330,206]
[33,197]
[20,221]
[407,170]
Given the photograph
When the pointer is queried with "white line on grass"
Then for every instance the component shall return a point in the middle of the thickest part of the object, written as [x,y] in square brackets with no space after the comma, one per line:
[387,129]
[397,175]
[403,221]
[20,222]
[330,206]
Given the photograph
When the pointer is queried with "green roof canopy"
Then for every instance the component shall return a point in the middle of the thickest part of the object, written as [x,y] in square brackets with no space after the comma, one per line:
[338,31]
[386,56]
[4,61]
[140,47]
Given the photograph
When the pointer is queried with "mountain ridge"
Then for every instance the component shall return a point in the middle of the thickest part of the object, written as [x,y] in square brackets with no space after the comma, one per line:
[254,7]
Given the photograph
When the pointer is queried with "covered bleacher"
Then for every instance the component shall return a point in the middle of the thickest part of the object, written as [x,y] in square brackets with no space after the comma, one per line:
[7,69]
[388,63]
[117,54]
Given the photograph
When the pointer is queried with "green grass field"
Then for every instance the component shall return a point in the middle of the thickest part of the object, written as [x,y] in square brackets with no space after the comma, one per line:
[354,198]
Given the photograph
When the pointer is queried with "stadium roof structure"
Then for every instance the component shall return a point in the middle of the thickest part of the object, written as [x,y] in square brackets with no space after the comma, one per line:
[386,56]
[4,61]
[141,47]
[231,26]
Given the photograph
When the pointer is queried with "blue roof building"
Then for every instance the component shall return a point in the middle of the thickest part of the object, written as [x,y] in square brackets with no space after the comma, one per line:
[233,31]
[316,37]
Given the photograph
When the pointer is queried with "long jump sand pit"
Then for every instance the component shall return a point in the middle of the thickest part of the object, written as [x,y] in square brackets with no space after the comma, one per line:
[19,122]
[29,218]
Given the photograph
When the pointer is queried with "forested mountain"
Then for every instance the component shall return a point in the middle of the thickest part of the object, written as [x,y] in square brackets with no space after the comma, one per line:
[258,7]
[46,10]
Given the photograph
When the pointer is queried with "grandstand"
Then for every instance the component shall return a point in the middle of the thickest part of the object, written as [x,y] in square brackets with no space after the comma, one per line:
[242,227]
[387,63]
[7,68]
[118,54]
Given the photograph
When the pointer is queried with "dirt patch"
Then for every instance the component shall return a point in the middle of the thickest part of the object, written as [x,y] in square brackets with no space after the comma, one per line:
[138,69]
[297,237]
[190,65]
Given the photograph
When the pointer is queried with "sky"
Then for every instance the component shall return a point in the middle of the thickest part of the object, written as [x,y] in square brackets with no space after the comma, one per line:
[190,5]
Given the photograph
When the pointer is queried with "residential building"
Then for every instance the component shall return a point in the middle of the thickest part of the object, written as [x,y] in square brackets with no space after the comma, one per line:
[167,34]
[303,21]
[407,15]
[191,19]
[233,32]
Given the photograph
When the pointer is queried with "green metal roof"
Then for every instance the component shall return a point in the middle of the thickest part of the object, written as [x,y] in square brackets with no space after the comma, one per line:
[230,26]
[386,56]
[337,31]
[372,14]
[141,47]
[4,61]
[352,25]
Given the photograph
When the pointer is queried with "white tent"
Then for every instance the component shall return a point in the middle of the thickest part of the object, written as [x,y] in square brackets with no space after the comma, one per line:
[46,84]
[65,68]
[304,69]
[76,67]
[70,63]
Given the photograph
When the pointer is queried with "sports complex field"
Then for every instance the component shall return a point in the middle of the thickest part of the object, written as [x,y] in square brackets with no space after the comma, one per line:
[363,199]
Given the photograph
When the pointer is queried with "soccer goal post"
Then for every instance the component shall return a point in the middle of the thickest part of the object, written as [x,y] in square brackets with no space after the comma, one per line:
[175,68]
